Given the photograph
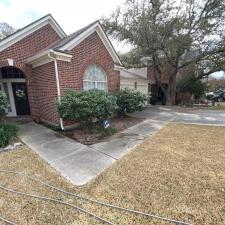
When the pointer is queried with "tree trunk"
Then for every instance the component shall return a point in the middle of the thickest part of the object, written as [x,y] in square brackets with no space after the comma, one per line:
[171,90]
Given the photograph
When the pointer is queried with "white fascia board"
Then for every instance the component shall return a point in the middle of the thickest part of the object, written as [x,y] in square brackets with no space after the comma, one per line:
[95,27]
[118,68]
[74,42]
[108,44]
[36,57]
[19,35]
[63,56]
[44,58]
[41,61]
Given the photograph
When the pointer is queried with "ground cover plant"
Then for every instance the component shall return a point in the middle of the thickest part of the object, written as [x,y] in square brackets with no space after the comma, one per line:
[3,104]
[8,132]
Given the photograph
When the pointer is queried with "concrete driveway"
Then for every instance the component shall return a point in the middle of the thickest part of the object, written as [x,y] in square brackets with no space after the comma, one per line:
[80,163]
[183,115]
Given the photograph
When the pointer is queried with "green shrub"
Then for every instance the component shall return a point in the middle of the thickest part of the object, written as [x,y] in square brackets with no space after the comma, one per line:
[7,132]
[129,101]
[190,84]
[3,104]
[86,106]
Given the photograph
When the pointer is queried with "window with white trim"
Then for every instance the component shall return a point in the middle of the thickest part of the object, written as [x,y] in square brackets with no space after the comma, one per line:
[95,78]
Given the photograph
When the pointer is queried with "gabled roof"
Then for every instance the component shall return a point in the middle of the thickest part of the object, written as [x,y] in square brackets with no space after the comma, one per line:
[27,30]
[66,43]
[133,73]
[70,37]
[75,38]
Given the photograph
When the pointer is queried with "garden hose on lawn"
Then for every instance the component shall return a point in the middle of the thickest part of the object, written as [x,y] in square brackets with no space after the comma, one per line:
[88,200]
[7,221]
[57,201]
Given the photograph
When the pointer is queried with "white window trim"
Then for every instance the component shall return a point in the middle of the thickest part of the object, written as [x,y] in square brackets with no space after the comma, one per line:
[91,81]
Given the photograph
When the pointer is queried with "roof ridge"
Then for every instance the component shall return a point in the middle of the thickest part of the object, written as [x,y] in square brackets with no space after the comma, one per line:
[73,35]
[20,29]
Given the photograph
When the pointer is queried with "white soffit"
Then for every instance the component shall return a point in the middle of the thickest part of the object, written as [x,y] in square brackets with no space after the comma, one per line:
[20,34]
[95,27]
[46,57]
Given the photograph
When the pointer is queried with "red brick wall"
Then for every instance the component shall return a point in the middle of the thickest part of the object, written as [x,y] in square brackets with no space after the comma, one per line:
[26,48]
[31,44]
[89,51]
[46,92]
[41,81]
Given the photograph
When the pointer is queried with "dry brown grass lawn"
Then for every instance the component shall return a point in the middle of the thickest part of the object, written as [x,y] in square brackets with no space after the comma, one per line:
[178,173]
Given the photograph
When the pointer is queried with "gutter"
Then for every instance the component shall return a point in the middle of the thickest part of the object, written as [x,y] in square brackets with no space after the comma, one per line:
[57,84]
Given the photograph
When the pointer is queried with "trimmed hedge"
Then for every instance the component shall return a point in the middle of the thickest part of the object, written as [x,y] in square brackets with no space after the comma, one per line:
[87,106]
[7,133]
[129,101]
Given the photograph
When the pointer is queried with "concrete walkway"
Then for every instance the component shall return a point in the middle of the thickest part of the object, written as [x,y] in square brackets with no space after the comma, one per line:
[81,163]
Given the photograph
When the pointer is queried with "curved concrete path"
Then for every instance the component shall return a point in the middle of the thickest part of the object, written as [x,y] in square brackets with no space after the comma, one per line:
[81,163]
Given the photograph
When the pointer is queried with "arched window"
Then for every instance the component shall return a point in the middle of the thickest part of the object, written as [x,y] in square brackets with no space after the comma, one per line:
[95,78]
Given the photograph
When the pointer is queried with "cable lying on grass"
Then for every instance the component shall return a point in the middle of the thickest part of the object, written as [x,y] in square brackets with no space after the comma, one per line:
[57,201]
[7,221]
[95,201]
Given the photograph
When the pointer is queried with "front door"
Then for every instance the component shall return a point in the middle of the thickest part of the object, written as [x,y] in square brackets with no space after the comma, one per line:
[21,98]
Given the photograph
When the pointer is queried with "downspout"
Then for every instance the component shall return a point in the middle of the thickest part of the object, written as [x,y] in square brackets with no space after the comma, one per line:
[57,84]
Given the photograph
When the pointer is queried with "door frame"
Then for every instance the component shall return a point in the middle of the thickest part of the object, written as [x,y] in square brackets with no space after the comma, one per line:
[11,96]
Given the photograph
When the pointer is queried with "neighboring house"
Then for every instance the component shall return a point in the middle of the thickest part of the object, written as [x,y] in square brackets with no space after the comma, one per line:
[135,78]
[39,62]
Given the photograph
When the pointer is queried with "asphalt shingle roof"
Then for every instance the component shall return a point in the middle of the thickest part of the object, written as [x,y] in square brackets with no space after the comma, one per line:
[67,39]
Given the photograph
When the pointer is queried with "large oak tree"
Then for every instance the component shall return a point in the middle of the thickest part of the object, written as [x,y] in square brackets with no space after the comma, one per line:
[175,33]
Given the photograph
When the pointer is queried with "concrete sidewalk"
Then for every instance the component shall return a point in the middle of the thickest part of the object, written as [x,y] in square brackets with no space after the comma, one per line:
[81,163]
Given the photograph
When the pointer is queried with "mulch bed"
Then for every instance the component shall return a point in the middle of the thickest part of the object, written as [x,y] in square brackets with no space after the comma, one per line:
[88,137]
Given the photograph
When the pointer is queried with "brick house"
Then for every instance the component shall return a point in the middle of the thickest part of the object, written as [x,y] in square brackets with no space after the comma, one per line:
[39,62]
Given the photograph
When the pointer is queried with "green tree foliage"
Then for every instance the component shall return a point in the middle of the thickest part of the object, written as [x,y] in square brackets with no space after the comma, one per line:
[86,106]
[7,133]
[3,104]
[192,85]
[129,101]
[174,33]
